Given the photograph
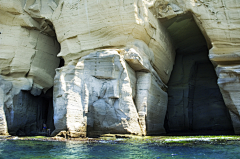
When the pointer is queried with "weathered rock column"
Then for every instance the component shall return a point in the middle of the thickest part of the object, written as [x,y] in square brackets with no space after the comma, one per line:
[151,102]
[229,83]
[105,44]
[96,92]
[102,94]
[5,87]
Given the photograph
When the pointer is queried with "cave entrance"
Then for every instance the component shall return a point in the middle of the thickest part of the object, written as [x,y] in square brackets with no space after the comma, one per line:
[30,114]
[195,104]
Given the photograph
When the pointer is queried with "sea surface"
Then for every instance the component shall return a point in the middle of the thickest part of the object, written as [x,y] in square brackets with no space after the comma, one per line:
[16,149]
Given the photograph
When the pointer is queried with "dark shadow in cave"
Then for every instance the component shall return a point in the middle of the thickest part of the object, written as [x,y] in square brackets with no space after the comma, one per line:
[62,62]
[30,114]
[195,104]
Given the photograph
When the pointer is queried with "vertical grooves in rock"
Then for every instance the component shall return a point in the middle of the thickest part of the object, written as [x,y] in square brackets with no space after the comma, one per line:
[191,85]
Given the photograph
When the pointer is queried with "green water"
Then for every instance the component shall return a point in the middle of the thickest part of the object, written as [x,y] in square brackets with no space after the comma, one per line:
[16,149]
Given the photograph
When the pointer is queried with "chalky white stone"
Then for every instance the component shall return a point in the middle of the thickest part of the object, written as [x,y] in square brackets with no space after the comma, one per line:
[118,59]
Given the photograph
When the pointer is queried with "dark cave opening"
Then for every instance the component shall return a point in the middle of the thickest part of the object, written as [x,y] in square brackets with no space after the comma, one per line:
[30,114]
[62,62]
[195,103]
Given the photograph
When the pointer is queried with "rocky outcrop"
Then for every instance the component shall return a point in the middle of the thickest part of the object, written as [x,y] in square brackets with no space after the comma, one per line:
[118,58]
[195,103]
[228,81]
[27,50]
[28,60]
[5,87]
[129,29]
[219,24]
[97,96]
[85,26]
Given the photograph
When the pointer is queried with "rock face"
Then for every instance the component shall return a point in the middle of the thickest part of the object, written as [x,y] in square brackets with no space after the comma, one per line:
[98,93]
[219,22]
[27,60]
[5,87]
[229,86]
[118,60]
[108,24]
[195,102]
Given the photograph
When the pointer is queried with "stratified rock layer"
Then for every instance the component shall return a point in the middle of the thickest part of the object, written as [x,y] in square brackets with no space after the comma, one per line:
[26,50]
[228,82]
[97,96]
[219,22]
[118,59]
[151,103]
[84,26]
[28,61]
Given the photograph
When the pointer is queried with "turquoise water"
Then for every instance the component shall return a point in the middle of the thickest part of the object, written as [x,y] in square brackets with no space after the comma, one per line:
[42,149]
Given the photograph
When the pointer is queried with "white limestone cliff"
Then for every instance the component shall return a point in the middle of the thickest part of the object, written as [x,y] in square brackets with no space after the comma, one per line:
[27,50]
[219,23]
[97,95]
[127,27]
[118,59]
[85,26]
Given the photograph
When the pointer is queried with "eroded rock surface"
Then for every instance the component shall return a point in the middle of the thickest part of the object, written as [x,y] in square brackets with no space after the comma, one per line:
[98,93]
[84,26]
[118,56]
[127,28]
[219,23]
[228,82]
[28,58]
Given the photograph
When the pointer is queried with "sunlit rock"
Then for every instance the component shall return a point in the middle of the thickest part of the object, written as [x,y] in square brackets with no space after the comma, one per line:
[117,59]
[97,96]
[228,82]
[85,26]
[27,47]
[28,60]
[151,102]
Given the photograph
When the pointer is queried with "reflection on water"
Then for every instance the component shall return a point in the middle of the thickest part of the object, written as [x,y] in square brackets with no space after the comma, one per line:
[40,149]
